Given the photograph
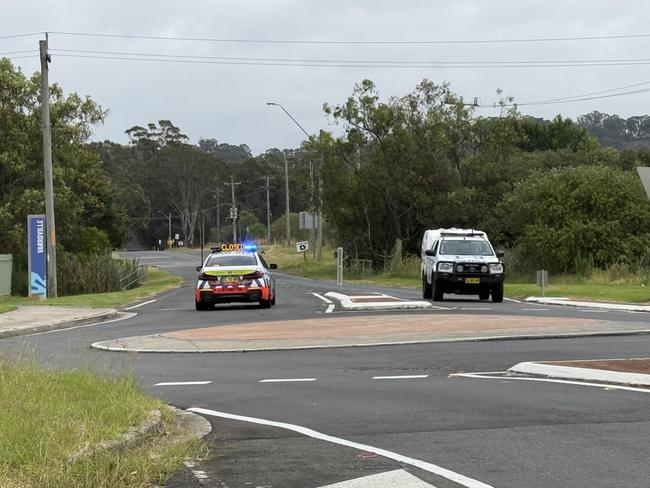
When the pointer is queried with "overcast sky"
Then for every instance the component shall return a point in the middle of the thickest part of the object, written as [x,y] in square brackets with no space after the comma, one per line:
[228,102]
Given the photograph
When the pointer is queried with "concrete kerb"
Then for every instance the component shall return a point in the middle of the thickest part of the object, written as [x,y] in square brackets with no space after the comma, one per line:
[191,426]
[580,374]
[346,303]
[582,304]
[64,324]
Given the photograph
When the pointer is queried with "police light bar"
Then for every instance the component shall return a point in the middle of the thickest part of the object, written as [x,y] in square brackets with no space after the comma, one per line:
[235,246]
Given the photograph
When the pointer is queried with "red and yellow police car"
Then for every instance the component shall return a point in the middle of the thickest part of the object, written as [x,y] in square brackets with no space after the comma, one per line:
[234,273]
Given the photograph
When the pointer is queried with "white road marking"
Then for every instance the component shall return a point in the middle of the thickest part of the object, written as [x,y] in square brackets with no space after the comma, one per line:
[476,308]
[141,304]
[389,479]
[403,377]
[591,310]
[183,383]
[325,299]
[330,308]
[286,380]
[608,386]
[126,315]
[512,300]
[430,467]
[534,309]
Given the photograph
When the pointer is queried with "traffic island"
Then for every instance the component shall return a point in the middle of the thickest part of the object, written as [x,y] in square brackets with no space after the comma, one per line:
[352,330]
[33,319]
[377,302]
[635,372]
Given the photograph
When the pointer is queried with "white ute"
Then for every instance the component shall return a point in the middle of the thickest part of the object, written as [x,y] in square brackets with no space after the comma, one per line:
[460,261]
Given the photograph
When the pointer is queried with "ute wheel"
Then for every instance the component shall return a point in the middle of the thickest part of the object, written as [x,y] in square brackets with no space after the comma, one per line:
[201,305]
[426,288]
[437,292]
[497,293]
[484,295]
[265,303]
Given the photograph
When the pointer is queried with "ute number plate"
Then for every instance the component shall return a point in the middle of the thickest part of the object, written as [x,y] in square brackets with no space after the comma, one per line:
[472,281]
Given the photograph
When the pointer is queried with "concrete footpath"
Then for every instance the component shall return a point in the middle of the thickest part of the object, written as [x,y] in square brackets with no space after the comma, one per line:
[40,318]
[351,331]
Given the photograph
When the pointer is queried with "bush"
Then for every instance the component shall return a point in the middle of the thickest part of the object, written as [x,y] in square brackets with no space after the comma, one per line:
[94,273]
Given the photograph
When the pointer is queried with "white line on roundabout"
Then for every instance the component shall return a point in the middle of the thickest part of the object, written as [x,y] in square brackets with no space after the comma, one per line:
[430,467]
[122,316]
[326,300]
[402,377]
[286,380]
[183,383]
[484,376]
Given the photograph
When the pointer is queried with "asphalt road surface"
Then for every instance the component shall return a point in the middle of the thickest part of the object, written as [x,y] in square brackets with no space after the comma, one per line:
[447,432]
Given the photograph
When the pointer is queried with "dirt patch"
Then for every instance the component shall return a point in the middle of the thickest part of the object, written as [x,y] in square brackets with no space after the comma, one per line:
[637,365]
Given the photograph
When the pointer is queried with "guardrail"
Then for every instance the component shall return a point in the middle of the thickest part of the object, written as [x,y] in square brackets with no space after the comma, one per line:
[139,274]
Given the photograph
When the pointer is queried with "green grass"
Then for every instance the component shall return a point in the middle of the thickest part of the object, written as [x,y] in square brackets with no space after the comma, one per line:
[157,281]
[614,284]
[49,415]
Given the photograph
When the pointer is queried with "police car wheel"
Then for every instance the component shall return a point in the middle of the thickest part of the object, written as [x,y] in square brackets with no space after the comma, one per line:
[201,305]
[265,303]
[273,299]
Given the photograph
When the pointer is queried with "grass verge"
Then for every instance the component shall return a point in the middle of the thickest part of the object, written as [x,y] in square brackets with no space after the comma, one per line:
[157,281]
[49,415]
[601,285]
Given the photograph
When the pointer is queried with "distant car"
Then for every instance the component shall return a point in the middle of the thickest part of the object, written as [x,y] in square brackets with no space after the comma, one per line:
[234,273]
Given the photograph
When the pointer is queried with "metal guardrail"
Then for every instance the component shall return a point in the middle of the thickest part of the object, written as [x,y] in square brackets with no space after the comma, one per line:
[140,273]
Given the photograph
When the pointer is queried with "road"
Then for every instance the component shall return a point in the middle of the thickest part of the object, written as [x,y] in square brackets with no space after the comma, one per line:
[446,431]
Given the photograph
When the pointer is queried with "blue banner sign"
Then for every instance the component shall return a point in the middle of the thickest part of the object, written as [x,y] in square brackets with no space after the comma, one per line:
[37,256]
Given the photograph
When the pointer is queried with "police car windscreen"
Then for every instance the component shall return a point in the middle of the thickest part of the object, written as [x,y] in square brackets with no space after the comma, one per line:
[231,260]
[466,248]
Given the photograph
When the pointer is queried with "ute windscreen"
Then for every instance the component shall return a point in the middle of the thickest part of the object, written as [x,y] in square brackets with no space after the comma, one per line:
[466,248]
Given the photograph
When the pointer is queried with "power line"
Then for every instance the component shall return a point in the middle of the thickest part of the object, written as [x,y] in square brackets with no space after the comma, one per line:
[18,52]
[27,34]
[348,61]
[350,42]
[369,64]
[643,90]
[562,99]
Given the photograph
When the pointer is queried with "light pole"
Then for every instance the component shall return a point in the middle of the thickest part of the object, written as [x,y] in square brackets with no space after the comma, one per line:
[286,168]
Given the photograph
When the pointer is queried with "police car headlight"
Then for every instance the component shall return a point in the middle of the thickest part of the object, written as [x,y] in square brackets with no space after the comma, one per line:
[496,268]
[446,267]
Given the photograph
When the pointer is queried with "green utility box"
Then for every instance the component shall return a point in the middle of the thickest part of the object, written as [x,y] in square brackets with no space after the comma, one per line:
[5,274]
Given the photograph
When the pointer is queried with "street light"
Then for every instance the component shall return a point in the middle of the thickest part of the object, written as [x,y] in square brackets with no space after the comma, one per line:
[286,177]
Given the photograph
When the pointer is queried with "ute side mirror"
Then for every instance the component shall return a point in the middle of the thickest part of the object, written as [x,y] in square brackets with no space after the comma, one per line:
[273,266]
[430,252]
[198,268]
[500,254]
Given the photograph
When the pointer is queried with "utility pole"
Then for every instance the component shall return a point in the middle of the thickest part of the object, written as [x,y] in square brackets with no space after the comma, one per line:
[319,218]
[286,191]
[169,234]
[233,208]
[218,217]
[47,165]
[268,209]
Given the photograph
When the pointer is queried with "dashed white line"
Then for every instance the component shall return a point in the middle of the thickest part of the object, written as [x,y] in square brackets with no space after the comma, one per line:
[141,304]
[534,309]
[591,310]
[286,380]
[183,383]
[430,467]
[402,377]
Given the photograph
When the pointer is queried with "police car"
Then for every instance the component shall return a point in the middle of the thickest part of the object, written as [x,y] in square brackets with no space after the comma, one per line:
[234,273]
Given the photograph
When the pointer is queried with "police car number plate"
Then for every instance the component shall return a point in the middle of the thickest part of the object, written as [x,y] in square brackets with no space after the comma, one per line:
[230,279]
[472,281]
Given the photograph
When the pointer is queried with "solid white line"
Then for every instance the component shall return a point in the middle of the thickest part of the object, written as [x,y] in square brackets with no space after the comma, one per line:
[403,377]
[534,309]
[126,316]
[326,300]
[286,380]
[330,308]
[431,468]
[476,308]
[592,311]
[183,383]
[141,304]
[549,380]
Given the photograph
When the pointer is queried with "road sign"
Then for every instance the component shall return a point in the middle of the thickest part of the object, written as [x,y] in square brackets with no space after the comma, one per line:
[542,279]
[177,236]
[37,256]
[307,220]
[302,246]
[644,173]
